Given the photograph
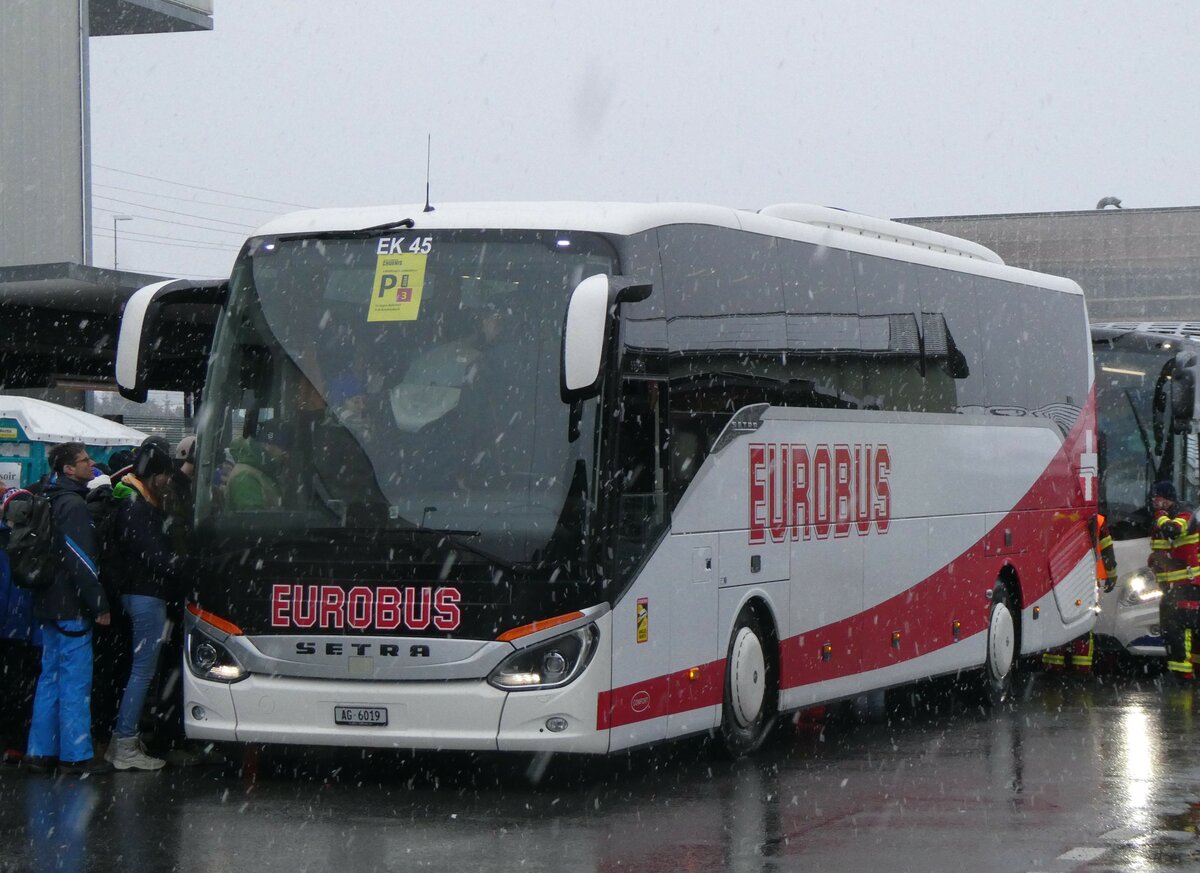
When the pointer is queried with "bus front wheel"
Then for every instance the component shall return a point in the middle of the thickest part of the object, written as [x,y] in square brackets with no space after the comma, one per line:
[751,700]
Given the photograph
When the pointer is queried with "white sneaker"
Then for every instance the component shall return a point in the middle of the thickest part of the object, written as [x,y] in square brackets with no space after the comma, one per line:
[128,753]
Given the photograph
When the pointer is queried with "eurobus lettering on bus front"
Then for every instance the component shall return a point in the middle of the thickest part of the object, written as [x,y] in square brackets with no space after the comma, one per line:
[581,477]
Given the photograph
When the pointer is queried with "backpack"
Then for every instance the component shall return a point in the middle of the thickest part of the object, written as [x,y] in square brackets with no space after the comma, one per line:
[102,506]
[31,553]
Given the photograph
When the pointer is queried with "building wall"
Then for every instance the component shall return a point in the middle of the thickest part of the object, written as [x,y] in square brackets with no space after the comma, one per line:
[1133,264]
[44,190]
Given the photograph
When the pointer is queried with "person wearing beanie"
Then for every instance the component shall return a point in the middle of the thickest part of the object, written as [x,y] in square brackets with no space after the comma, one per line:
[1175,560]
[149,562]
[1165,490]
[120,463]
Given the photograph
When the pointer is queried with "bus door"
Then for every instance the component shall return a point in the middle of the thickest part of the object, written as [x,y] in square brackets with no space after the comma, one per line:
[665,620]
[642,615]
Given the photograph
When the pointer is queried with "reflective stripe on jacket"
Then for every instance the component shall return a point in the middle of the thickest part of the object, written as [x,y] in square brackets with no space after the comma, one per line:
[1182,551]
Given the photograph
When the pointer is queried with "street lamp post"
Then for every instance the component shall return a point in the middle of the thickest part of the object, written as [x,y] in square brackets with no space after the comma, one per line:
[117,218]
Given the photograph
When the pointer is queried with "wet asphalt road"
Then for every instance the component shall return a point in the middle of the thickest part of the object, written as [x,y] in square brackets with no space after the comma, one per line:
[1078,774]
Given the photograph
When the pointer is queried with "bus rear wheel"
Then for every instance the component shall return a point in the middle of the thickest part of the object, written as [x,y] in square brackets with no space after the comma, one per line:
[751,701]
[1000,661]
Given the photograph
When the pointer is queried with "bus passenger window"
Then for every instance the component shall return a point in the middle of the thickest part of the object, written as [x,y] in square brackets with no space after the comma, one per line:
[687,454]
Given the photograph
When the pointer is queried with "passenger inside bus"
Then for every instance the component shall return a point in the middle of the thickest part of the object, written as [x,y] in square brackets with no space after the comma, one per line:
[253,481]
[458,393]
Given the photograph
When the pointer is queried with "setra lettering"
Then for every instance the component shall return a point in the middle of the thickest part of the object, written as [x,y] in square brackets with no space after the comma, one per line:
[382,650]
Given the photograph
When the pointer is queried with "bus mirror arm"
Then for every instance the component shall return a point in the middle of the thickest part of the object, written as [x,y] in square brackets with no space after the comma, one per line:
[574,416]
[624,290]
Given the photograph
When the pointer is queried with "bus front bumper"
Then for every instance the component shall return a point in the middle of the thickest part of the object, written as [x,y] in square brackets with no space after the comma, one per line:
[1130,616]
[458,715]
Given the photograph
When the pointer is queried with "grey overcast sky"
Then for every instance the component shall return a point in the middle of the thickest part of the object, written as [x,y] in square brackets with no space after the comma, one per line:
[888,108]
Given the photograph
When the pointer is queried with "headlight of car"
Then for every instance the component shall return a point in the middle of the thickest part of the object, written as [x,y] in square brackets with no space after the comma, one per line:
[208,659]
[550,664]
[1139,587]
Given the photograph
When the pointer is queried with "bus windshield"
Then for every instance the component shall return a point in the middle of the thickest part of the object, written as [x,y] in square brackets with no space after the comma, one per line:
[406,381]
[1139,445]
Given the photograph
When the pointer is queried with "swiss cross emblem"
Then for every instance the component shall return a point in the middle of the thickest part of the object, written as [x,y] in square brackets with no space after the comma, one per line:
[1088,464]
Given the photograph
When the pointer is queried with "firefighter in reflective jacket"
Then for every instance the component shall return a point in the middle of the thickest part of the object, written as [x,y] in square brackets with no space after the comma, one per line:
[1175,560]
[1080,652]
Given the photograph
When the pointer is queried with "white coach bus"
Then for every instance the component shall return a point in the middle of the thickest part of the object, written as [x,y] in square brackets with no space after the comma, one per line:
[582,477]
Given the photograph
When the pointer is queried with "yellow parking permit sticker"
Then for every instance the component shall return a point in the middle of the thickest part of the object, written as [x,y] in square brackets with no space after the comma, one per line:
[643,619]
[396,294]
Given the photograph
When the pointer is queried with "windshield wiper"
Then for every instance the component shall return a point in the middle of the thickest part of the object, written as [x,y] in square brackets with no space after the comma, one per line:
[389,225]
[351,234]
[455,538]
[448,531]
[1141,428]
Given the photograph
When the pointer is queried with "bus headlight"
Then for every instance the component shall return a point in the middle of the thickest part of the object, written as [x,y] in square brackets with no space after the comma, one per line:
[208,659]
[1140,587]
[550,664]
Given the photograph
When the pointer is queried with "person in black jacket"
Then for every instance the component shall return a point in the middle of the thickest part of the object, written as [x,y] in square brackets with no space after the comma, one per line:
[61,732]
[149,577]
[20,654]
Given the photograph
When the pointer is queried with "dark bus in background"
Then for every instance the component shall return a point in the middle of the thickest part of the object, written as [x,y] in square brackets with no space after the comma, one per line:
[1146,412]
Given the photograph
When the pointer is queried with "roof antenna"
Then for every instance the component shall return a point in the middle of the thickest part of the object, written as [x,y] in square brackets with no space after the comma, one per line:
[428,149]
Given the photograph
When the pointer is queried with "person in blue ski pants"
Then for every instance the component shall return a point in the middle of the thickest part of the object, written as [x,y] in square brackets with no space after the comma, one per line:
[60,736]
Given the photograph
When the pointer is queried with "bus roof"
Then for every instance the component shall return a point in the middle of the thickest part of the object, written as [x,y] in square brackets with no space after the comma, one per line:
[814,224]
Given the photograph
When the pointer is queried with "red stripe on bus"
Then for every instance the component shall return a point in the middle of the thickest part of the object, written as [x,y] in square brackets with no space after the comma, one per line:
[924,615]
[663,695]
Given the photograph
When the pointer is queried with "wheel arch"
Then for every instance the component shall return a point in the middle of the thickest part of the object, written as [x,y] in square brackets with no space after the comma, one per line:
[764,609]
[1010,580]
[744,734]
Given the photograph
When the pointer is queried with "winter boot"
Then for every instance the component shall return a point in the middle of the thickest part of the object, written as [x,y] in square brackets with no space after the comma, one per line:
[128,753]
[84,768]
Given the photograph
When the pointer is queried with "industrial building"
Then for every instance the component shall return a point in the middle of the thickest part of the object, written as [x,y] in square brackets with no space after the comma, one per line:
[58,309]
[1136,265]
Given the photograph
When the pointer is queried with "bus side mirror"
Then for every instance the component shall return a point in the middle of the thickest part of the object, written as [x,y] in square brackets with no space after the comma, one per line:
[1183,393]
[142,329]
[586,331]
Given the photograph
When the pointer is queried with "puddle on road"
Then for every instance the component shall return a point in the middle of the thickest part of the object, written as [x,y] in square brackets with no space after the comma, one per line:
[1183,822]
[1173,845]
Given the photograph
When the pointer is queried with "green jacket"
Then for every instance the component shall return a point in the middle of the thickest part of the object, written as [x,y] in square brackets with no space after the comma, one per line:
[248,486]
